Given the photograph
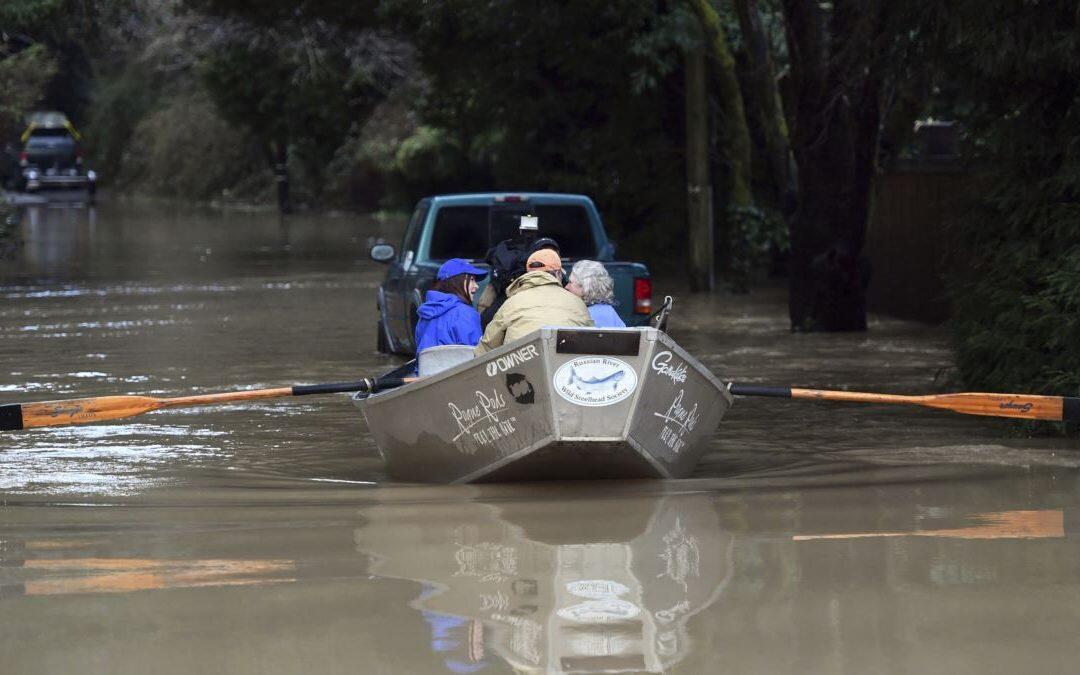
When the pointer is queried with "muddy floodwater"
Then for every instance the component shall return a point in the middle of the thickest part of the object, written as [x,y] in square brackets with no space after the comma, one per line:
[263,537]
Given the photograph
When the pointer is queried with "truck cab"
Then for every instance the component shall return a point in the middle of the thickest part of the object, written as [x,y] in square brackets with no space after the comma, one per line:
[466,226]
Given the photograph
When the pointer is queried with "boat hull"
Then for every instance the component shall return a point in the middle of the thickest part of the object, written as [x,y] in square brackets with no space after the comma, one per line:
[558,404]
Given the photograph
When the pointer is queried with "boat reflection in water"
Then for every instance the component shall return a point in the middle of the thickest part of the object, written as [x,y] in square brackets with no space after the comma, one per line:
[610,592]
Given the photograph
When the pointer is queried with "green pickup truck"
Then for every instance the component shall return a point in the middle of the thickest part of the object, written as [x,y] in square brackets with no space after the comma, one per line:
[467,225]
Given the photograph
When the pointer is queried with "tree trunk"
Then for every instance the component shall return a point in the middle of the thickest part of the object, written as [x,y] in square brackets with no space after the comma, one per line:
[836,121]
[699,206]
[734,147]
[734,134]
[766,96]
[281,176]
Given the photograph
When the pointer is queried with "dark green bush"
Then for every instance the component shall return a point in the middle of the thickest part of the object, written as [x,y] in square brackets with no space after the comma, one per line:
[1017,293]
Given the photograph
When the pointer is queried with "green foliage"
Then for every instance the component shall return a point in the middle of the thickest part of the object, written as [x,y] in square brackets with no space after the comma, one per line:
[299,91]
[27,16]
[755,236]
[186,150]
[1017,296]
[23,77]
[348,14]
[582,96]
[122,98]
[429,157]
[74,32]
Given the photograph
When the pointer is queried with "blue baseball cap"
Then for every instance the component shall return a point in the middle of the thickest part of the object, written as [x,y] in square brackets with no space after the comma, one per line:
[456,266]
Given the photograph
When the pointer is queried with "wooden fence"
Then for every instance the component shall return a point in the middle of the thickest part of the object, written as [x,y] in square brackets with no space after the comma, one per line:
[907,241]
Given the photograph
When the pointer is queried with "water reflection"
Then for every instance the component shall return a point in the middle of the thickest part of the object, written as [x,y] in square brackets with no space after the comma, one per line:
[885,571]
[71,567]
[612,593]
[125,575]
[1048,524]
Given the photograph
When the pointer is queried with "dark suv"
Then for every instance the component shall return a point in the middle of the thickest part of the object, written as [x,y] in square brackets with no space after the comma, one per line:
[51,157]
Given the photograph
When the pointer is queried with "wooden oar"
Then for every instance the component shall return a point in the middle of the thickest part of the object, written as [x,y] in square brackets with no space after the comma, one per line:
[1031,407]
[88,410]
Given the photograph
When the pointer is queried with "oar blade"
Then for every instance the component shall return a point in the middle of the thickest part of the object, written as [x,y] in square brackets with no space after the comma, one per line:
[1022,406]
[80,411]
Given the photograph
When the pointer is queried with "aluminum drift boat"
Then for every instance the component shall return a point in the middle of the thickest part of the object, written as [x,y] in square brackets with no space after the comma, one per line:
[582,403]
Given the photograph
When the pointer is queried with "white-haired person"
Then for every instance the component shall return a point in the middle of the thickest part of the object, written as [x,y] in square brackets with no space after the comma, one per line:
[592,283]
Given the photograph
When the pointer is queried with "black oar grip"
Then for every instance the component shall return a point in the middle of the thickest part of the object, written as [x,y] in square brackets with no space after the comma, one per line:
[366,385]
[11,417]
[333,387]
[1070,409]
[751,390]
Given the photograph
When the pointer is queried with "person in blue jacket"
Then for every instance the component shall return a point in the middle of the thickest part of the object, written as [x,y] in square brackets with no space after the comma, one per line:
[590,281]
[447,316]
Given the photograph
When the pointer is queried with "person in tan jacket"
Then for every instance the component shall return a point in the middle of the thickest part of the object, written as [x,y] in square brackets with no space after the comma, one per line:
[536,299]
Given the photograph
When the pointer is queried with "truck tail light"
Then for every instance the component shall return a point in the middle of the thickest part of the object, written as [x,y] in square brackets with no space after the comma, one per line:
[642,295]
[24,159]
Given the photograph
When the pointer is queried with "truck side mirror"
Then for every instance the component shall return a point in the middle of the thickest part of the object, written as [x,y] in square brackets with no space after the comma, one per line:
[382,253]
[608,251]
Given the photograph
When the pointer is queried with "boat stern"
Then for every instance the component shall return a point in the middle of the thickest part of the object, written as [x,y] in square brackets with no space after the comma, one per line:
[558,404]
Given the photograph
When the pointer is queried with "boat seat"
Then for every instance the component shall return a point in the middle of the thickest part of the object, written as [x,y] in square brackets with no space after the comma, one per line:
[437,359]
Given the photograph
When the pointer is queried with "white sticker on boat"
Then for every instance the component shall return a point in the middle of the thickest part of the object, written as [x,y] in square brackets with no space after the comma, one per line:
[595,380]
[596,589]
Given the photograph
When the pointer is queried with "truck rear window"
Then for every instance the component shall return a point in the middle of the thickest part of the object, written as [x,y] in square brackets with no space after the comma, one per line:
[50,131]
[469,231]
[460,232]
[49,141]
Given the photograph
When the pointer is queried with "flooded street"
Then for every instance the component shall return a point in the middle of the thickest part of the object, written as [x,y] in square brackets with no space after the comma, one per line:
[263,537]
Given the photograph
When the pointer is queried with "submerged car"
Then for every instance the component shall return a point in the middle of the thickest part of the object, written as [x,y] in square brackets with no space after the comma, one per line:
[52,155]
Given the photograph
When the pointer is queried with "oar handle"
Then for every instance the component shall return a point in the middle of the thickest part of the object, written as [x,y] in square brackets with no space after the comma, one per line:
[751,390]
[368,384]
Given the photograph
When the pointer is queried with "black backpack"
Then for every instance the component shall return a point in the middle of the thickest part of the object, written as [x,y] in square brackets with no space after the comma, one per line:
[507,261]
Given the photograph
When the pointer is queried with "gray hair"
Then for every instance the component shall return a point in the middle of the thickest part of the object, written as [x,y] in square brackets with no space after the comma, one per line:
[596,284]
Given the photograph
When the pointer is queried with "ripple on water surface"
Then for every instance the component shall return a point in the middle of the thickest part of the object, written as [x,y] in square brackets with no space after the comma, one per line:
[105,459]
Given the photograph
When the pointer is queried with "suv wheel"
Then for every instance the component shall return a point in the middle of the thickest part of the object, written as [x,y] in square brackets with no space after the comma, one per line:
[382,344]
[414,318]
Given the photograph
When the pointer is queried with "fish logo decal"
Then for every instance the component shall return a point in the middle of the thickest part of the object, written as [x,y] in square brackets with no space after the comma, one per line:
[597,384]
[595,380]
